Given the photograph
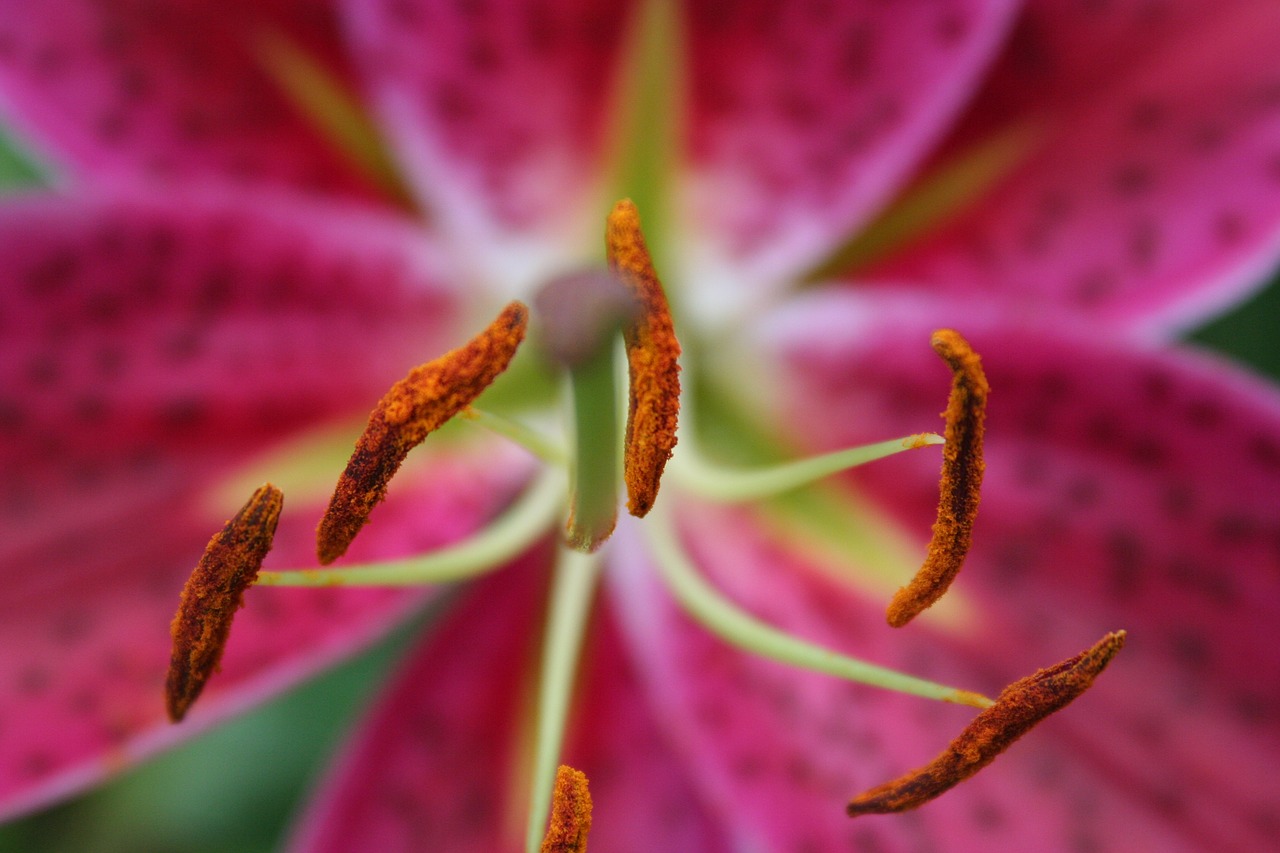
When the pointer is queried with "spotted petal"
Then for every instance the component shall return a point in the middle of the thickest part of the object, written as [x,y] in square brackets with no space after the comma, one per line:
[170,91]
[497,114]
[439,758]
[151,347]
[804,117]
[1152,197]
[1125,488]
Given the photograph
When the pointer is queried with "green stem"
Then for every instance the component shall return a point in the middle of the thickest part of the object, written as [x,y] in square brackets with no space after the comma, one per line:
[731,485]
[594,508]
[718,615]
[572,590]
[503,540]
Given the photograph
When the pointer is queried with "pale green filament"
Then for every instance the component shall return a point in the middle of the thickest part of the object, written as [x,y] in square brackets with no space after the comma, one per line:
[734,485]
[531,440]
[572,590]
[493,546]
[735,626]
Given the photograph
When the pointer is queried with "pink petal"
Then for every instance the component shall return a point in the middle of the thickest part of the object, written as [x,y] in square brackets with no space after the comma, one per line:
[171,91]
[439,758]
[1126,488]
[1153,197]
[497,112]
[804,117]
[785,751]
[138,330]
[86,641]
[150,347]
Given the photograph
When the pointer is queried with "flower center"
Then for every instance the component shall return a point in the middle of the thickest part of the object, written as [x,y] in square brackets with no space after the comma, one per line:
[579,321]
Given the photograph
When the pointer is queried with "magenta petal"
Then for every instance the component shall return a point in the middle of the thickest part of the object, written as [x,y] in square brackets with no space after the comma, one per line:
[805,116]
[1126,488]
[1153,197]
[170,91]
[785,750]
[439,758]
[140,331]
[84,626]
[497,113]
[152,345]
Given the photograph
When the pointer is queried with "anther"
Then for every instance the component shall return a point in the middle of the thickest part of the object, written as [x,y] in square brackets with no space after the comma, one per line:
[1016,711]
[213,594]
[962,470]
[415,406]
[570,813]
[652,356]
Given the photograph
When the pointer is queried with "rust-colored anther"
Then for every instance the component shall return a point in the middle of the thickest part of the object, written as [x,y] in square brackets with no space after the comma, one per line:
[653,358]
[415,406]
[962,469]
[1018,708]
[570,813]
[213,594]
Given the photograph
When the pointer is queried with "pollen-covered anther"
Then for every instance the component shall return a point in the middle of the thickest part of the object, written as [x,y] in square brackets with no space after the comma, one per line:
[1016,711]
[652,357]
[213,594]
[959,493]
[570,813]
[416,406]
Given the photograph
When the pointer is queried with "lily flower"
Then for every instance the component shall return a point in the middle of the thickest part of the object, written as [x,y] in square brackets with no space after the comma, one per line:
[263,215]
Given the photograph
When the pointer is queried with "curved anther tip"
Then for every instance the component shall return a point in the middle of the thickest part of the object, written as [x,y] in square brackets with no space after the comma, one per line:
[416,406]
[570,813]
[212,595]
[961,481]
[652,357]
[1017,710]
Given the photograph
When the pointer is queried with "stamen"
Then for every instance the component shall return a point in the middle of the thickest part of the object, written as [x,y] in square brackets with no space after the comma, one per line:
[573,588]
[570,813]
[652,354]
[1017,710]
[414,407]
[962,469]
[732,485]
[213,594]
[726,620]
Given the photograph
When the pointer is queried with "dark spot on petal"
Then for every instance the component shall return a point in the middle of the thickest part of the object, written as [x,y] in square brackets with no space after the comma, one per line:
[34,680]
[1228,228]
[91,408]
[44,370]
[1095,285]
[182,413]
[1133,179]
[1148,114]
[1196,578]
[1125,557]
[1144,242]
[52,274]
